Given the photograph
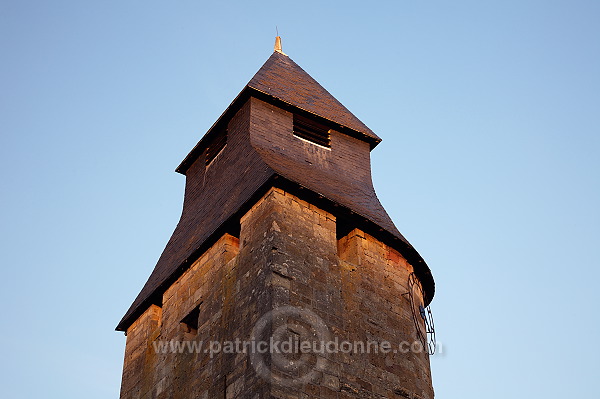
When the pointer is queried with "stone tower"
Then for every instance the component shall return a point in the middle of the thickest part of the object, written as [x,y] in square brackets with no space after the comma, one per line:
[282,240]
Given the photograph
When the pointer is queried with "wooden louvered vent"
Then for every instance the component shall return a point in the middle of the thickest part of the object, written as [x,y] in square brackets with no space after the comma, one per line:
[312,131]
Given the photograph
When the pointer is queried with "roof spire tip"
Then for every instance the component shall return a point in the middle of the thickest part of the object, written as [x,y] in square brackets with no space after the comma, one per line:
[278,45]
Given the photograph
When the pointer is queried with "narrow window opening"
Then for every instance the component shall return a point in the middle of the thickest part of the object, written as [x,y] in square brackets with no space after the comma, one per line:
[190,322]
[311,131]
[217,145]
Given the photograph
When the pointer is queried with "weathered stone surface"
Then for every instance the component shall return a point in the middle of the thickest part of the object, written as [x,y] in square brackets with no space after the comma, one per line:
[287,255]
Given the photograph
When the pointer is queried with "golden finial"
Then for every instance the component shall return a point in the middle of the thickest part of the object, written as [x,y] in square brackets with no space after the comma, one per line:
[278,43]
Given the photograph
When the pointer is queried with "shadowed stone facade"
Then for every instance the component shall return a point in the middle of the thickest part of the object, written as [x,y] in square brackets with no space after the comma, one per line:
[287,254]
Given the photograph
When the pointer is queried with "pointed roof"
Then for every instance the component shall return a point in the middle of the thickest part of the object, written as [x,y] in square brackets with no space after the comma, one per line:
[282,82]
[280,77]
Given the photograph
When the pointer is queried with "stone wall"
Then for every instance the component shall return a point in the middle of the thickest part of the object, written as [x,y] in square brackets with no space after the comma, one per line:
[287,255]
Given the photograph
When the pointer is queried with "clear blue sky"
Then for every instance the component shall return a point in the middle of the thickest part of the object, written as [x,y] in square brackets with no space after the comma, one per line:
[489,114]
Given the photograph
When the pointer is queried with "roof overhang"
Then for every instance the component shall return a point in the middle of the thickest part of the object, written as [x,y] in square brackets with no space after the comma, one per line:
[341,212]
